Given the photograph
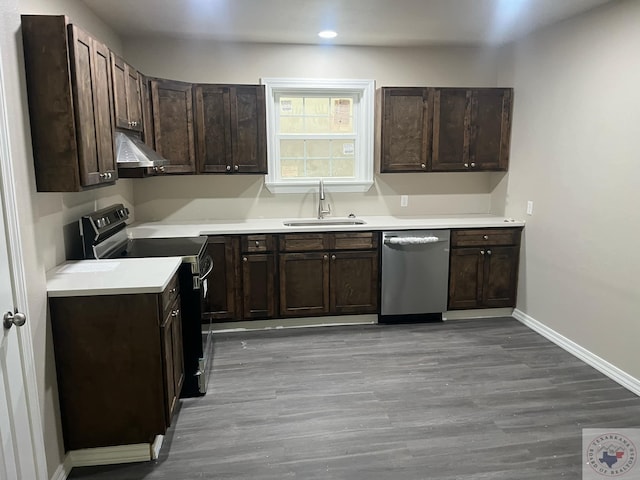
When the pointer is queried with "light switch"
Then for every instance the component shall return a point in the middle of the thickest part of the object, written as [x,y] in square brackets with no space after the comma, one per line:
[404,200]
[530,207]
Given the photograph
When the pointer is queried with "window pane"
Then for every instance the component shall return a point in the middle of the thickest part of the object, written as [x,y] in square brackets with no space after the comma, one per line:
[318,168]
[291,125]
[292,168]
[342,115]
[317,125]
[344,168]
[316,106]
[318,148]
[291,106]
[291,148]
[343,148]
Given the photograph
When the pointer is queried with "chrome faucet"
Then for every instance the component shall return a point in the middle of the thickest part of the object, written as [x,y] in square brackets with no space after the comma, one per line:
[321,211]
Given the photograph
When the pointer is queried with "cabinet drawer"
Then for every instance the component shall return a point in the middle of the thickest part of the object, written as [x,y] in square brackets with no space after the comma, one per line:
[170,293]
[481,237]
[257,243]
[304,242]
[355,241]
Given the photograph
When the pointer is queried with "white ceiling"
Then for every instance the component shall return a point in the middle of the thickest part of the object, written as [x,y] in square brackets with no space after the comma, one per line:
[358,22]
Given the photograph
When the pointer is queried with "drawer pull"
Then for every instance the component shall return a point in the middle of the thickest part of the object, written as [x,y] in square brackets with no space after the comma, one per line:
[486,237]
[175,313]
[245,259]
[257,243]
[481,252]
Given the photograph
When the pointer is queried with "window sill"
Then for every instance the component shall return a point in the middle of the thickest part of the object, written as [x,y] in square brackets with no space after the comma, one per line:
[307,186]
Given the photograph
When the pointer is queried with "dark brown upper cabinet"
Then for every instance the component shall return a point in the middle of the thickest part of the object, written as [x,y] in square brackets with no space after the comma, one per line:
[407,119]
[172,109]
[471,129]
[231,128]
[127,100]
[69,90]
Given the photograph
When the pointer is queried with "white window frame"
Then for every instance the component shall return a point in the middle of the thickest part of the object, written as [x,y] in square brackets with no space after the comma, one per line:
[363,116]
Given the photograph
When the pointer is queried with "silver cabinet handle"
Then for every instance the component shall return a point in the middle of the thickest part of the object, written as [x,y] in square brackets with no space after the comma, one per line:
[486,237]
[245,259]
[326,257]
[488,252]
[257,243]
[228,168]
[235,167]
[175,313]
[466,165]
[173,290]
[333,257]
[16,318]
[423,165]
[473,164]
[481,252]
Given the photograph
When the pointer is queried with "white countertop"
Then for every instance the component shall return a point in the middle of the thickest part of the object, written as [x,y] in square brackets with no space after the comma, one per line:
[111,277]
[276,225]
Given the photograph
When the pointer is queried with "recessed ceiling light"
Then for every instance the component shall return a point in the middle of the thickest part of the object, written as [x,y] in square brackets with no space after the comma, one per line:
[327,34]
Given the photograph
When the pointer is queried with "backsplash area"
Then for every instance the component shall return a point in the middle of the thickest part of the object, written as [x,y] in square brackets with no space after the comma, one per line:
[202,197]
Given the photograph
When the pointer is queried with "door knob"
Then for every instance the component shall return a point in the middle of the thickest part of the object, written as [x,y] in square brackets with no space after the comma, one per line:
[18,319]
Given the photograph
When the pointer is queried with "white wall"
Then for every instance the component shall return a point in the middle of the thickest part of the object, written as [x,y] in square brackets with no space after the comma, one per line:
[215,196]
[574,153]
[43,216]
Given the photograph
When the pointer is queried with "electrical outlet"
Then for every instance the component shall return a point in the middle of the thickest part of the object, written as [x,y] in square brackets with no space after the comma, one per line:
[530,207]
[404,200]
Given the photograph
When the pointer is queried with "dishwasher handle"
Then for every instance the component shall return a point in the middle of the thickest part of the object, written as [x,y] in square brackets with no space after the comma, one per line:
[412,240]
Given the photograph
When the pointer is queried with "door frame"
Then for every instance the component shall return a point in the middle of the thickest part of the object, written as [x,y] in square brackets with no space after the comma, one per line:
[14,250]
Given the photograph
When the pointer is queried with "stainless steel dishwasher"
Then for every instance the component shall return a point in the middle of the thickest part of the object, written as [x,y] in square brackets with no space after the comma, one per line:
[415,272]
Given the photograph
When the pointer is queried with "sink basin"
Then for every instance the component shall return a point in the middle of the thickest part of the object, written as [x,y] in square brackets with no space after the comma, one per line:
[313,222]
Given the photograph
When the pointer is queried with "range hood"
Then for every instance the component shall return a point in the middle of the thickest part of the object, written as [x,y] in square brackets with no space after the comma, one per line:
[131,152]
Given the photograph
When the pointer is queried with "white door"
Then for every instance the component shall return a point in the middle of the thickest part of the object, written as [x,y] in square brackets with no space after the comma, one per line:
[22,446]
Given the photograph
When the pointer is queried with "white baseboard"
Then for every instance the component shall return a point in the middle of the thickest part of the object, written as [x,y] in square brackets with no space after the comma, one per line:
[63,470]
[614,373]
[477,313]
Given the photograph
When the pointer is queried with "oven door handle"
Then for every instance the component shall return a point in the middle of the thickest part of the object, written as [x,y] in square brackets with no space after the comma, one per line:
[209,269]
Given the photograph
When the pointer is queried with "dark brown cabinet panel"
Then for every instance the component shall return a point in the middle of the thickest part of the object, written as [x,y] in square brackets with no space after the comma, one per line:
[69,90]
[471,129]
[407,117]
[223,301]
[127,101]
[483,271]
[171,333]
[172,108]
[119,367]
[452,113]
[304,284]
[231,128]
[329,273]
[354,282]
[259,286]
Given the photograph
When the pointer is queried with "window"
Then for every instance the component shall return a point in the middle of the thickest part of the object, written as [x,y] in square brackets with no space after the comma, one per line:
[319,129]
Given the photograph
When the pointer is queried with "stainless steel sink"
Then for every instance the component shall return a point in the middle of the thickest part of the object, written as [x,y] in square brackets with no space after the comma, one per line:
[314,222]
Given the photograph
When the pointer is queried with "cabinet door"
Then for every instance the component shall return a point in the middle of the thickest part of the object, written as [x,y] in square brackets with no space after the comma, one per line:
[147,116]
[172,104]
[406,129]
[258,286]
[134,102]
[222,302]
[304,284]
[490,129]
[500,277]
[354,282]
[171,333]
[451,117]
[91,80]
[248,129]
[119,76]
[466,273]
[213,126]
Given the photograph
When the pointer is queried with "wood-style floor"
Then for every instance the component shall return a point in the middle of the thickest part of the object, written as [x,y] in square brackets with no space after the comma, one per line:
[465,399]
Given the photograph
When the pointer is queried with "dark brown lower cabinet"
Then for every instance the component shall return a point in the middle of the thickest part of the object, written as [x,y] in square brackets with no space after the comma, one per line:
[483,271]
[222,301]
[340,280]
[354,282]
[119,366]
[304,284]
[258,286]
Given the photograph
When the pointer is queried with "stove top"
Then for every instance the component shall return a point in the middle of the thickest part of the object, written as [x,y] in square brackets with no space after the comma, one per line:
[162,247]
